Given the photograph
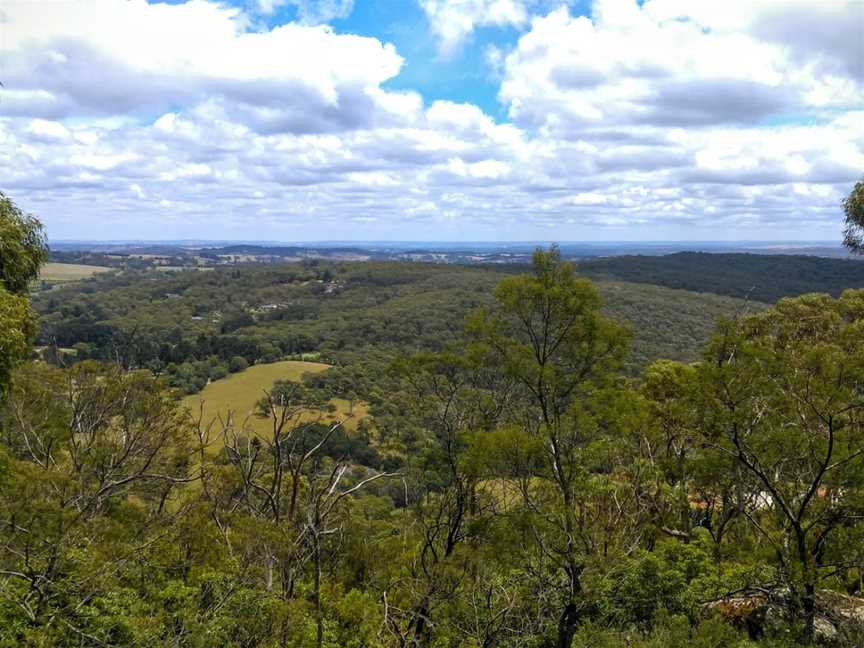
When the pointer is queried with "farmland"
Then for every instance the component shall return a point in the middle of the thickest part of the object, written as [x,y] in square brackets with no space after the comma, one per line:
[240,392]
[68,272]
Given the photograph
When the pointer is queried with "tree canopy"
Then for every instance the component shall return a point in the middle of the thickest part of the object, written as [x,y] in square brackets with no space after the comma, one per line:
[853,208]
[22,251]
[23,247]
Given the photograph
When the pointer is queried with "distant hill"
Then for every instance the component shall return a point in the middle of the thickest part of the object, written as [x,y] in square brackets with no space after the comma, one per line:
[179,322]
[758,277]
[266,312]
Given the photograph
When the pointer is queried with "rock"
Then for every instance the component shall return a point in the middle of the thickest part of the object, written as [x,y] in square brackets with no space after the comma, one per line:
[839,618]
[824,630]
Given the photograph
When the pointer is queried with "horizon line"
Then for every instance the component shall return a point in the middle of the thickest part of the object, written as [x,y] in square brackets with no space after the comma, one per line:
[271,242]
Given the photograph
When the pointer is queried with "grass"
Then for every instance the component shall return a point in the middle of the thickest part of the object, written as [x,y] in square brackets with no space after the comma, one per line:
[64,272]
[240,392]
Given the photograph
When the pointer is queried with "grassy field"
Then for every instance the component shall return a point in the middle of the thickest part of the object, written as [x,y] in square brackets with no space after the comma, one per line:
[62,272]
[241,391]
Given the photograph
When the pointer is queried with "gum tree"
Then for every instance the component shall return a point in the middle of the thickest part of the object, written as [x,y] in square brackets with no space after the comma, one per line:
[785,399]
[853,207]
[545,331]
[22,252]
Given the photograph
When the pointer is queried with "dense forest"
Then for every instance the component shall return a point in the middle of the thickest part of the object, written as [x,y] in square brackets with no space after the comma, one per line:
[521,482]
[759,277]
[194,326]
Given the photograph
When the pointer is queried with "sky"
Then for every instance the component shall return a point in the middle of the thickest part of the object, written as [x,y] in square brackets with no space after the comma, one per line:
[444,120]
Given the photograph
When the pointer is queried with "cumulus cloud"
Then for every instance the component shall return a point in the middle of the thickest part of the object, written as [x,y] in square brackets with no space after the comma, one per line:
[828,33]
[662,64]
[105,57]
[453,21]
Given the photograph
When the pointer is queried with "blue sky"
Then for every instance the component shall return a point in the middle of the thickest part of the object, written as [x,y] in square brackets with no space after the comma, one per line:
[433,119]
[462,76]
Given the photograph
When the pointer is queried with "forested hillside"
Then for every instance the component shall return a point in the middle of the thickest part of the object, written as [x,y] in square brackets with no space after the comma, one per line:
[760,277]
[191,325]
[509,485]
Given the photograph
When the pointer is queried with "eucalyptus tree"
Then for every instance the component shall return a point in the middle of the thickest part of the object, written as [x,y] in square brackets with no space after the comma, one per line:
[853,208]
[23,250]
[545,331]
[280,492]
[785,401]
[451,398]
[94,459]
[259,476]
[695,486]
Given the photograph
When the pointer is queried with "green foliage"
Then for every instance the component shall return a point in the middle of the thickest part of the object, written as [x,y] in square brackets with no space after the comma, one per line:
[646,584]
[22,252]
[783,396]
[670,631]
[22,247]
[237,364]
[379,312]
[853,208]
[17,330]
[756,277]
[94,455]
[191,377]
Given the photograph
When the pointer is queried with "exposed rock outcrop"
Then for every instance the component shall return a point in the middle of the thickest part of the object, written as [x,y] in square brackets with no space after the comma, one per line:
[764,612]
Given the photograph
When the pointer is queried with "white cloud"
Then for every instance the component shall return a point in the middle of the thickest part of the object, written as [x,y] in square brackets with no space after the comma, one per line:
[453,21]
[828,31]
[651,64]
[48,129]
[110,57]
[494,59]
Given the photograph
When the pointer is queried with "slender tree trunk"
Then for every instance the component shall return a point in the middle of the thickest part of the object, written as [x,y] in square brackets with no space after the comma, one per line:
[269,568]
[295,487]
[809,611]
[807,587]
[319,618]
[567,625]
[421,633]
[569,619]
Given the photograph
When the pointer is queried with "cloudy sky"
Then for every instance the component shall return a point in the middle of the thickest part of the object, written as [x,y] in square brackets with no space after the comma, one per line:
[433,119]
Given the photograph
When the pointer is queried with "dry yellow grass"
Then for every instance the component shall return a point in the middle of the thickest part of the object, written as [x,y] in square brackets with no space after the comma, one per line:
[58,272]
[240,392]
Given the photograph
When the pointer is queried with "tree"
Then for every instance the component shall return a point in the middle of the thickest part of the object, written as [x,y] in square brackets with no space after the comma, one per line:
[695,484]
[785,400]
[94,455]
[237,364]
[282,489]
[853,207]
[546,332]
[23,249]
[452,397]
[22,252]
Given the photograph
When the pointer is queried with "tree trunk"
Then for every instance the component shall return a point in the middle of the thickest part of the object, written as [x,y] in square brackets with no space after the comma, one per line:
[295,487]
[421,629]
[809,605]
[808,586]
[268,561]
[567,625]
[319,619]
